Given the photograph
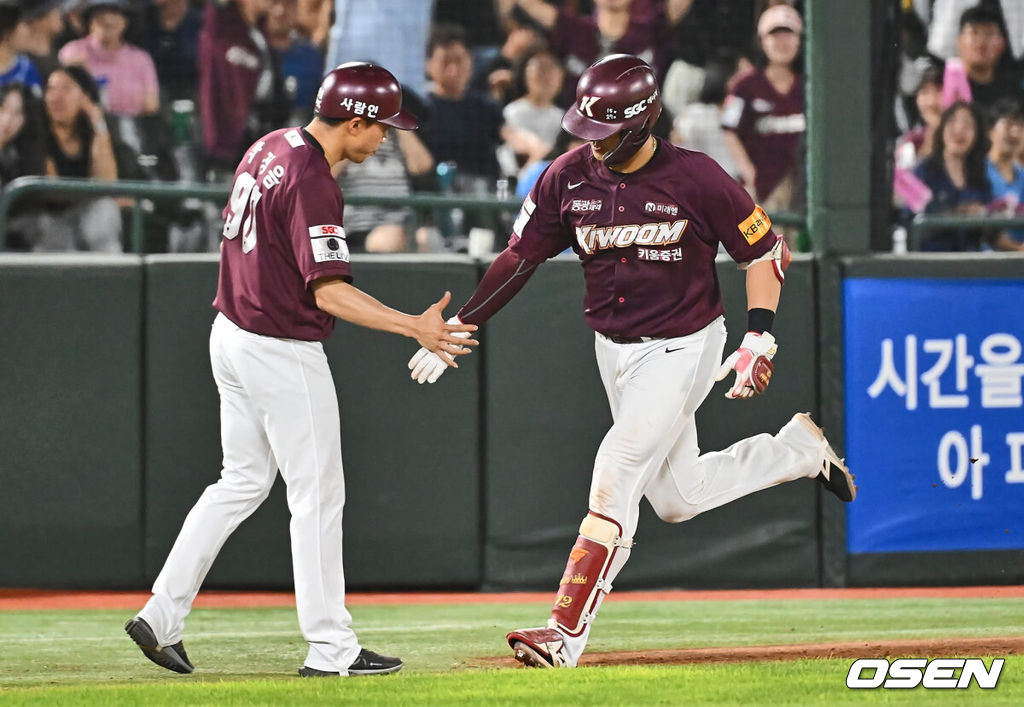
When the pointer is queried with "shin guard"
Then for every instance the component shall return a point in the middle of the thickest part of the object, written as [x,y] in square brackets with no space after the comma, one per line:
[586,574]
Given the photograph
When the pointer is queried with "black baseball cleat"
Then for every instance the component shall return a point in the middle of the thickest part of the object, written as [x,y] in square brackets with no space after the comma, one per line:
[305,672]
[366,663]
[170,657]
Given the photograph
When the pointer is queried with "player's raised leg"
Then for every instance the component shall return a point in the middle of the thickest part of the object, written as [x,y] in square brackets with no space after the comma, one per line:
[690,483]
[653,395]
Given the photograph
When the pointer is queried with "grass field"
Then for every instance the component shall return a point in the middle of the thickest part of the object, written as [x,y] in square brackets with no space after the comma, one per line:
[249,656]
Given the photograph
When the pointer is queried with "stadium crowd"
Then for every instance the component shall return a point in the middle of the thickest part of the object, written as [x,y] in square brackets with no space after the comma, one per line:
[959,114]
[176,90]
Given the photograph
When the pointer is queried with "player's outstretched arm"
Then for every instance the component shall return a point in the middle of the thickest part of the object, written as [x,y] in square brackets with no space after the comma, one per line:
[342,300]
[503,279]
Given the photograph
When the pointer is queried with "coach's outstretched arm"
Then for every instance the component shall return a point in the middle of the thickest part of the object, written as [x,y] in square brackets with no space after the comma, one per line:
[444,340]
[503,279]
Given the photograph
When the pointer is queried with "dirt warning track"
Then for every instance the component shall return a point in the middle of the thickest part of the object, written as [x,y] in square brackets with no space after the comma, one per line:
[925,648]
[46,599]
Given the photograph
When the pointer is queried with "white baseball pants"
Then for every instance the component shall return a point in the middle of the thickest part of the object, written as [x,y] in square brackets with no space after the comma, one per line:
[654,389]
[278,410]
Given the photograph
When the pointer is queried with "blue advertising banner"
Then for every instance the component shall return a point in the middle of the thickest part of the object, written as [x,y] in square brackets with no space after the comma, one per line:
[935,414]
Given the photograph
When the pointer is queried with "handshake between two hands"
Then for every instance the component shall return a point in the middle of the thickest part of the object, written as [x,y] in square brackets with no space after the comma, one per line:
[440,342]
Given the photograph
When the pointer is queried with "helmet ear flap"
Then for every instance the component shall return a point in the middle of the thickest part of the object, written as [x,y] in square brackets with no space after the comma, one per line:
[630,141]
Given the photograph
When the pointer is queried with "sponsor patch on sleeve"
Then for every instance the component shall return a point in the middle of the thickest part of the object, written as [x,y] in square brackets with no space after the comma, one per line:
[756,225]
[328,244]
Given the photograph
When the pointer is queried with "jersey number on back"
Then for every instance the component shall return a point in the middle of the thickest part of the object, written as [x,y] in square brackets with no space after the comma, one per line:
[242,211]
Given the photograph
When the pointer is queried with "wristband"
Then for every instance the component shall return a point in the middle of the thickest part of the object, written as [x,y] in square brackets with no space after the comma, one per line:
[760,320]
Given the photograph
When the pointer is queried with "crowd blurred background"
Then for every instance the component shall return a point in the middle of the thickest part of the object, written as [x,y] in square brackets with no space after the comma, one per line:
[176,91]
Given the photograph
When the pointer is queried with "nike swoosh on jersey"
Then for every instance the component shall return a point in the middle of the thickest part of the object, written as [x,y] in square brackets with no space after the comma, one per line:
[573,186]
[674,350]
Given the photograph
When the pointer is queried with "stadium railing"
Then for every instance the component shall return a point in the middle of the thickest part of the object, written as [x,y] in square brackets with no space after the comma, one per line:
[922,224]
[140,191]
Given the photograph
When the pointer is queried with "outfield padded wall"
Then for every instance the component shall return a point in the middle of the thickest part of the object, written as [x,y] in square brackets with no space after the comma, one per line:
[547,413]
[70,438]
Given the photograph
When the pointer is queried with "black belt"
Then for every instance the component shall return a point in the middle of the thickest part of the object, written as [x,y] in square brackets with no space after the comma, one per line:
[628,339]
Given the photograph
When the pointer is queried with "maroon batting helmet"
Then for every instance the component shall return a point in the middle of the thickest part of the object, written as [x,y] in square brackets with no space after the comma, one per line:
[361,90]
[617,94]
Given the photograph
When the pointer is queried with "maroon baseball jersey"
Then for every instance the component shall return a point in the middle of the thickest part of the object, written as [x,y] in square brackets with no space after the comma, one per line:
[282,230]
[647,240]
[769,124]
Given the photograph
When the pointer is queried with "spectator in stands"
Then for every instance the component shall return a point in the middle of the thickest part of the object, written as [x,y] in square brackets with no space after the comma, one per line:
[21,154]
[301,63]
[613,28]
[944,22]
[764,118]
[699,125]
[14,67]
[497,76]
[314,18]
[915,60]
[241,94]
[981,45]
[21,144]
[956,174]
[391,33]
[463,126]
[170,33]
[78,144]
[1005,174]
[916,144]
[41,22]
[125,73]
[536,113]
[377,229]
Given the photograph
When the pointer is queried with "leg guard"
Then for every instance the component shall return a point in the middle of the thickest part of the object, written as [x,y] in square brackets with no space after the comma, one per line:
[586,573]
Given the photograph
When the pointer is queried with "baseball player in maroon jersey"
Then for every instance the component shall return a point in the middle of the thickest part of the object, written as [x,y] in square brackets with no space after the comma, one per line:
[284,276]
[646,219]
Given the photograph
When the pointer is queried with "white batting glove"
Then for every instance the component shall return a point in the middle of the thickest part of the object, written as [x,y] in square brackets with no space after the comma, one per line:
[752,362]
[427,366]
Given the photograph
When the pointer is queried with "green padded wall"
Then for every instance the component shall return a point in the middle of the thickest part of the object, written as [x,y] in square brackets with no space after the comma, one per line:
[547,413]
[70,440]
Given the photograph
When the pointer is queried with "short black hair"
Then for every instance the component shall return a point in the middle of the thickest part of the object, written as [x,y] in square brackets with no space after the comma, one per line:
[982,15]
[444,33]
[332,122]
[1005,107]
[9,19]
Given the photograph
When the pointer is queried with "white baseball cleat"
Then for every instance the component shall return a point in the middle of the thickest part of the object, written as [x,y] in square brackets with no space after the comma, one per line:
[538,647]
[834,475]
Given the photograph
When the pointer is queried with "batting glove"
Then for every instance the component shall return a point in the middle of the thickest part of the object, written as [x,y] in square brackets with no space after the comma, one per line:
[752,362]
[427,366]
